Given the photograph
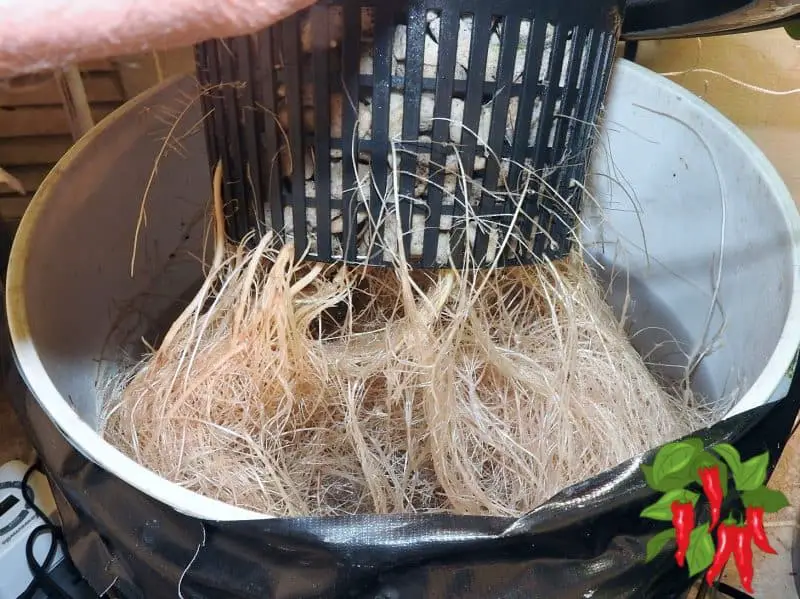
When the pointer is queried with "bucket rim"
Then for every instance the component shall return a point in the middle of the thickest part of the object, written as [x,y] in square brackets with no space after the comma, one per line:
[85,439]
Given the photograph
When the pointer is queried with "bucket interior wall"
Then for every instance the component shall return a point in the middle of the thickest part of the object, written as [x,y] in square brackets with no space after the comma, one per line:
[85,309]
[74,307]
[695,224]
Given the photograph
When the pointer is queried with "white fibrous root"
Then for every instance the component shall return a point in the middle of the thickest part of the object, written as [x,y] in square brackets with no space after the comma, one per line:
[298,389]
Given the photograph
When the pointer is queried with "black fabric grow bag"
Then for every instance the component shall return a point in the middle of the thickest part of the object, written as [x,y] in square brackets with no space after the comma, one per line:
[588,541]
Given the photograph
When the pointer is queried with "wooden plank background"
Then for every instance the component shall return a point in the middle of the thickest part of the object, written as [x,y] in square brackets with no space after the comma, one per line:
[34,130]
[100,87]
[26,121]
[32,150]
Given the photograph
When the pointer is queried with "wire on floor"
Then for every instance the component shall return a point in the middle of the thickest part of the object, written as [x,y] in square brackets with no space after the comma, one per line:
[42,581]
[720,591]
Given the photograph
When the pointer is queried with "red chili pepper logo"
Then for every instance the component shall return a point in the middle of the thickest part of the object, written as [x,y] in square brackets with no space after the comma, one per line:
[712,487]
[683,523]
[693,482]
[754,519]
[743,555]
[724,551]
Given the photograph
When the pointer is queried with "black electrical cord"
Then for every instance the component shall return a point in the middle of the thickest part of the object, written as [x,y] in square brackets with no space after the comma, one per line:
[733,592]
[721,590]
[41,571]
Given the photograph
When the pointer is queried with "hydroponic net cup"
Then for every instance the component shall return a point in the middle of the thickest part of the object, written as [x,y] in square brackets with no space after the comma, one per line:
[462,127]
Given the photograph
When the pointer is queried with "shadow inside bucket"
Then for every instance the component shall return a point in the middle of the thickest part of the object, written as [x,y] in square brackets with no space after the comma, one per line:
[655,330]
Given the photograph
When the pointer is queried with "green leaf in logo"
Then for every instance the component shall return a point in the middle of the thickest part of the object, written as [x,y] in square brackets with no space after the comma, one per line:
[669,483]
[701,550]
[771,501]
[731,457]
[658,542]
[753,474]
[661,510]
[648,477]
[673,460]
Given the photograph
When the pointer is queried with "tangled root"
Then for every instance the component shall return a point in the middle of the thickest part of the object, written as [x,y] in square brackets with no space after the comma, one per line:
[295,389]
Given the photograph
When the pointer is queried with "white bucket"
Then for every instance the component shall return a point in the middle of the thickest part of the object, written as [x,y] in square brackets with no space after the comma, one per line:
[69,288]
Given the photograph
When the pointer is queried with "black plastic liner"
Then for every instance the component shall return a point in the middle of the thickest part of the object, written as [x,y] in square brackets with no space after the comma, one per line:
[588,541]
